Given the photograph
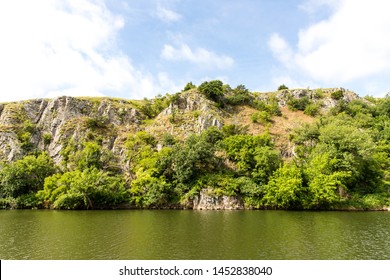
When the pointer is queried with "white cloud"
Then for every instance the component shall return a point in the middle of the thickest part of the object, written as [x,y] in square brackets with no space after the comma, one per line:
[314,6]
[198,56]
[351,44]
[55,47]
[280,48]
[166,14]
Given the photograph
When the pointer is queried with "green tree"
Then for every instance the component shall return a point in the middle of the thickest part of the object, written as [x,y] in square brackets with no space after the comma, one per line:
[300,104]
[282,87]
[189,86]
[90,156]
[352,148]
[212,90]
[239,96]
[25,176]
[285,188]
[337,95]
[87,189]
[325,186]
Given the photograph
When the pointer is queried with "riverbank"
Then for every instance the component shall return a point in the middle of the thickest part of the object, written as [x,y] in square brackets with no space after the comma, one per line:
[207,199]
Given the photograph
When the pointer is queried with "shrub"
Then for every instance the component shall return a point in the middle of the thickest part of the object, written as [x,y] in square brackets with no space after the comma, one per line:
[298,103]
[26,175]
[337,95]
[312,109]
[262,117]
[99,122]
[240,96]
[283,86]
[238,99]
[46,139]
[319,94]
[189,86]
[212,90]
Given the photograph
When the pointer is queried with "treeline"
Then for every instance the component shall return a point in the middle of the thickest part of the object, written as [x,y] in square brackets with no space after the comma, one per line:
[341,161]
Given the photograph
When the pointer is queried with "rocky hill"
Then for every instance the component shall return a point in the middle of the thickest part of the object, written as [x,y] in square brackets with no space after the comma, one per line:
[50,124]
[207,147]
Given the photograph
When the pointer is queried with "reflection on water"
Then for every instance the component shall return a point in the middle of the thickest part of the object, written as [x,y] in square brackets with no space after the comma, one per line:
[147,234]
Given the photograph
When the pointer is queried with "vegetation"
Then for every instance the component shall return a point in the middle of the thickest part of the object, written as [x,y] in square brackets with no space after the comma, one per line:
[212,90]
[340,158]
[282,87]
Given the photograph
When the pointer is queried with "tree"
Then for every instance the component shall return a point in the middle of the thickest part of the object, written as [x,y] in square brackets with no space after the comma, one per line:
[90,156]
[353,150]
[87,189]
[298,103]
[189,86]
[281,87]
[212,89]
[285,188]
[25,176]
[337,95]
[324,185]
[238,96]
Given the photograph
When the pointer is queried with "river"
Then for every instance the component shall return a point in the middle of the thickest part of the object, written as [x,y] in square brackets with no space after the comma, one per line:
[186,234]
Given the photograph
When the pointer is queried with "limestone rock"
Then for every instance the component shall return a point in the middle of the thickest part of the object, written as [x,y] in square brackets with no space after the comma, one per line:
[208,200]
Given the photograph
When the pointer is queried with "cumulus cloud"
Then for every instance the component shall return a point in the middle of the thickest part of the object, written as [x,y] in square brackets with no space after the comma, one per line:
[314,6]
[166,14]
[280,48]
[55,47]
[351,44]
[198,56]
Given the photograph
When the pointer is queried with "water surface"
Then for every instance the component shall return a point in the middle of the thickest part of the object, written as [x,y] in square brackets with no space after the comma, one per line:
[176,234]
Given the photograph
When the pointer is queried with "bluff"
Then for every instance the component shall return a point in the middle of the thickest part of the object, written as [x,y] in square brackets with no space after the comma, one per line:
[206,147]
[50,124]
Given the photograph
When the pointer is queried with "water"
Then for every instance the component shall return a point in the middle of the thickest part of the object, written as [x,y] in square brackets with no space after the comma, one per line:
[165,234]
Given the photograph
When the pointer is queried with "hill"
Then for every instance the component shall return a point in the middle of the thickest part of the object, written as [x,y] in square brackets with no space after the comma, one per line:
[207,141]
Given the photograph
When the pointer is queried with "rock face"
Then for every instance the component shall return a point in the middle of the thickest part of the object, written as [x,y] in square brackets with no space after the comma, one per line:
[315,95]
[190,113]
[48,124]
[208,200]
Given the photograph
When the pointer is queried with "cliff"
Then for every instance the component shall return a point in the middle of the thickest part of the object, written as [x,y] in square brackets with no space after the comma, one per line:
[50,124]
[211,147]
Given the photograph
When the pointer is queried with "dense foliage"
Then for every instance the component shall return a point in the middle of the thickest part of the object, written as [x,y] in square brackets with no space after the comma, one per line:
[340,160]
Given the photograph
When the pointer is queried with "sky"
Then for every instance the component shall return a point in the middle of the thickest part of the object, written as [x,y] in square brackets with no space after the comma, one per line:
[135,49]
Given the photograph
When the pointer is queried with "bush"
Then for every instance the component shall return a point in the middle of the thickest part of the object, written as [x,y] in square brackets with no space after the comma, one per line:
[46,139]
[239,96]
[238,99]
[98,122]
[373,201]
[282,87]
[212,90]
[189,86]
[168,140]
[233,129]
[300,104]
[87,189]
[319,94]
[337,95]
[261,117]
[25,176]
[285,188]
[28,201]
[312,109]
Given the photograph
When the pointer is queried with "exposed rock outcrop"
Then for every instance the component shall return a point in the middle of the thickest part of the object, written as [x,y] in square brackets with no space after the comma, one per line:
[49,124]
[208,200]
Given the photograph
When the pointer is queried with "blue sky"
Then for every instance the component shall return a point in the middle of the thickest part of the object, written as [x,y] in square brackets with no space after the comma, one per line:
[135,49]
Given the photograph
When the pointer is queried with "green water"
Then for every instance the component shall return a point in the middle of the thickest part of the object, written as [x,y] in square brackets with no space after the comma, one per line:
[144,234]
